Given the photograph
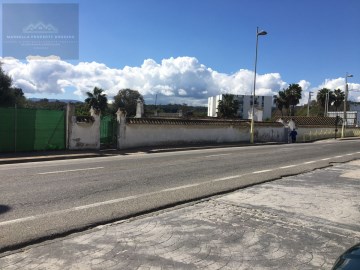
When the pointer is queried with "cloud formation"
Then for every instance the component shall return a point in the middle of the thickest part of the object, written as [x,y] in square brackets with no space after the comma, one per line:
[175,80]
[339,83]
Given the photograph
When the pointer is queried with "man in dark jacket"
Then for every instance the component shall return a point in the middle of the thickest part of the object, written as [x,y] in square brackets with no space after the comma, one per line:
[292,135]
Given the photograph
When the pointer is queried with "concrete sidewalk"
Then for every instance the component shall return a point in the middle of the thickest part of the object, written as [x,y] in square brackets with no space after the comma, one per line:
[298,222]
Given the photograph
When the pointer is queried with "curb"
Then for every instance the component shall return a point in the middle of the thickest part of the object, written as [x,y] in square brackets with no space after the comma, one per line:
[46,158]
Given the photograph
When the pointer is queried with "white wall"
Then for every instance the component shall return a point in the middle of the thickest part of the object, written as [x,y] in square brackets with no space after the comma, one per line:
[270,133]
[316,133]
[143,132]
[84,135]
[137,135]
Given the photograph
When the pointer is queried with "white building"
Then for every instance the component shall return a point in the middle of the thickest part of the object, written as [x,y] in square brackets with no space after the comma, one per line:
[263,106]
[351,117]
[356,107]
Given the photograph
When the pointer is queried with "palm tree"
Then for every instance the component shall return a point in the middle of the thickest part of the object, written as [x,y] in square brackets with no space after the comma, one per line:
[97,99]
[293,96]
[321,96]
[339,97]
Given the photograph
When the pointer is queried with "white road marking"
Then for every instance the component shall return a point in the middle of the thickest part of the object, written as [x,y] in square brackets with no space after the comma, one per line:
[289,166]
[68,210]
[83,207]
[338,156]
[181,187]
[261,171]
[326,158]
[218,155]
[76,170]
[310,162]
[227,178]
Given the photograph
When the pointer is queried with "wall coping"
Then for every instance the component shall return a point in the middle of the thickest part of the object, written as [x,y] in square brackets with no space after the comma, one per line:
[172,121]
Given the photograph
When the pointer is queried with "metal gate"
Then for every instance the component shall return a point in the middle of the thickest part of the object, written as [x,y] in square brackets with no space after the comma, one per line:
[31,129]
[108,132]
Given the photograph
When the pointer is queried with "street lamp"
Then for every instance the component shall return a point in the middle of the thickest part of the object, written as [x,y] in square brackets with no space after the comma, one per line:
[261,33]
[345,101]
[309,100]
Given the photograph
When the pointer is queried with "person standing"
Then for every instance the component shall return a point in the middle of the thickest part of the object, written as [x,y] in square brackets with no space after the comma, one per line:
[292,135]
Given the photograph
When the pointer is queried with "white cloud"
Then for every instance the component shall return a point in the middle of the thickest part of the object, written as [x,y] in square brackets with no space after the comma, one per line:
[339,83]
[176,80]
[182,92]
[305,85]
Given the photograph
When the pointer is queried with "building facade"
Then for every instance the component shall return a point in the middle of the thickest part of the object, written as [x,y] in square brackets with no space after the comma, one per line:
[355,107]
[351,117]
[263,106]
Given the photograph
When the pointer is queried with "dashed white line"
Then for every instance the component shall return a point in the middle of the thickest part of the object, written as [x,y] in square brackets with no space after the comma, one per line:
[180,187]
[261,171]
[218,155]
[289,166]
[338,156]
[310,162]
[76,170]
[325,159]
[227,178]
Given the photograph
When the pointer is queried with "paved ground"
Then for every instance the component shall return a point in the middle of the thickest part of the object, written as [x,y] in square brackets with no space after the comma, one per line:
[299,222]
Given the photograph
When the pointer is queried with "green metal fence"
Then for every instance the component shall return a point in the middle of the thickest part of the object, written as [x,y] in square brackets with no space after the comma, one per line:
[108,131]
[31,129]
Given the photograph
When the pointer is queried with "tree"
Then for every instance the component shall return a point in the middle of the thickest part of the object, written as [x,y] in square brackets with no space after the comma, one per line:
[321,97]
[9,96]
[281,102]
[127,99]
[293,96]
[339,97]
[228,106]
[97,99]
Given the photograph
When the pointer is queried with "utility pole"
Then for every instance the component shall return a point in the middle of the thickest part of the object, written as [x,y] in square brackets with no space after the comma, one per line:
[326,103]
[345,100]
[308,109]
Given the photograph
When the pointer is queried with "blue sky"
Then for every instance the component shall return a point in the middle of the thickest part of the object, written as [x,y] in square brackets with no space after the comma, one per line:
[197,48]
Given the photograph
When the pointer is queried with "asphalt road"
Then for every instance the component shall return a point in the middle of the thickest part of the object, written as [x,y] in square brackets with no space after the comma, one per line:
[44,199]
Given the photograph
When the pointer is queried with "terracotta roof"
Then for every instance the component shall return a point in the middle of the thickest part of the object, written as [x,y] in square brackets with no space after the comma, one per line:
[310,121]
[222,122]
[164,121]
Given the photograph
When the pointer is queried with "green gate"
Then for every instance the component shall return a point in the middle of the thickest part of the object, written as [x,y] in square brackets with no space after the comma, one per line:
[108,132]
[31,129]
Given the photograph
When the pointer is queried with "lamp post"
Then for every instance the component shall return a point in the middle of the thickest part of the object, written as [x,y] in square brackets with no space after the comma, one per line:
[309,100]
[327,97]
[261,33]
[345,101]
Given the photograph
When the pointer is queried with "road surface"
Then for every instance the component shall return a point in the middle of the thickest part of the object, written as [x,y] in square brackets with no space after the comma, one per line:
[44,199]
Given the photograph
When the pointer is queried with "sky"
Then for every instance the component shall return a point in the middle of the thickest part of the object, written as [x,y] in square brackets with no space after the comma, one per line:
[183,51]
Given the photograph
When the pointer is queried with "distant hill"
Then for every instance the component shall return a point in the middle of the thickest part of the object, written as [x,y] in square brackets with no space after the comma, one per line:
[55,100]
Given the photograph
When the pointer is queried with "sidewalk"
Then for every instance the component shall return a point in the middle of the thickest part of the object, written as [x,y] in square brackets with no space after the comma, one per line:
[298,222]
